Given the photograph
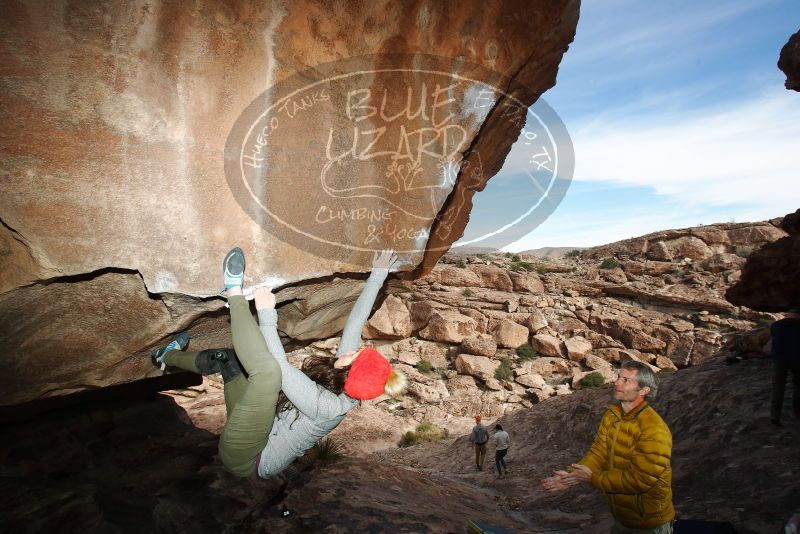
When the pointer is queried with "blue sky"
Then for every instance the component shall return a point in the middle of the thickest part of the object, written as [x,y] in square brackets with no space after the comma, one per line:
[678,117]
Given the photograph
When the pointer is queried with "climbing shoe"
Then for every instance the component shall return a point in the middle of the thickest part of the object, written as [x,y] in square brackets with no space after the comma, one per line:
[233,268]
[179,342]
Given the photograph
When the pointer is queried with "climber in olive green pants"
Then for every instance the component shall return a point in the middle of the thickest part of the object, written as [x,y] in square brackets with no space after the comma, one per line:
[250,401]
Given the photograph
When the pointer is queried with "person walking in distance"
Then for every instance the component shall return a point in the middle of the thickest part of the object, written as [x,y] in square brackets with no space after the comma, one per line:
[500,450]
[480,436]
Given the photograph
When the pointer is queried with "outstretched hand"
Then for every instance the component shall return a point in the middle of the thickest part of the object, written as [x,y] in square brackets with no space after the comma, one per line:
[563,480]
[385,259]
[265,299]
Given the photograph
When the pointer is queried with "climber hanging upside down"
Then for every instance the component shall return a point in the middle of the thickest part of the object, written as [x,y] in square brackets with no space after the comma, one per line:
[267,429]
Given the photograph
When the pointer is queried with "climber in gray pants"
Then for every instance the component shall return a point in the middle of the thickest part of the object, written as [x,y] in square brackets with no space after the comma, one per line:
[267,433]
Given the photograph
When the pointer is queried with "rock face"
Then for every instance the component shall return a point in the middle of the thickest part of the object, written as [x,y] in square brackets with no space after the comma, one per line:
[789,62]
[771,277]
[117,119]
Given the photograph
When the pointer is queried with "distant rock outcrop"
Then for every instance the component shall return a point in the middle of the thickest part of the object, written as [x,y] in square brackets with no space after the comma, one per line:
[770,279]
[789,62]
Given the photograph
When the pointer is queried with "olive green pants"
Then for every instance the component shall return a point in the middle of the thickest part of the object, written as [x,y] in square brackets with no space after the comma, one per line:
[250,402]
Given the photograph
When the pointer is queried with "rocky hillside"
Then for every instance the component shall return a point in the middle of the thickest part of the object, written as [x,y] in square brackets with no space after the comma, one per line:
[493,333]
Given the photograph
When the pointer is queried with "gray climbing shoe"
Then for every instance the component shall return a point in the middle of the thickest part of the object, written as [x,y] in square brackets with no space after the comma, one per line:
[179,342]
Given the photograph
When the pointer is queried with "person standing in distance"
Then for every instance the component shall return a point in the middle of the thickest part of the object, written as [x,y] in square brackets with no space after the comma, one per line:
[629,459]
[785,358]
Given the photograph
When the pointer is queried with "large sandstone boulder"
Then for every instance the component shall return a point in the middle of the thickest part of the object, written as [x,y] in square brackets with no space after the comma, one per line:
[509,334]
[448,326]
[493,277]
[577,348]
[477,366]
[548,345]
[531,380]
[658,251]
[536,321]
[422,311]
[150,141]
[391,321]
[453,276]
[526,283]
[688,247]
[479,345]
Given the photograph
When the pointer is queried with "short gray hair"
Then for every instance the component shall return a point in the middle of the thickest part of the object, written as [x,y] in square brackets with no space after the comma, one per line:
[644,376]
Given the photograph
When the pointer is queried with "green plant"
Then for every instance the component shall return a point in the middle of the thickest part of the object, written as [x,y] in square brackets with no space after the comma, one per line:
[743,251]
[329,450]
[573,254]
[504,371]
[522,266]
[424,366]
[515,257]
[408,439]
[425,426]
[484,257]
[526,352]
[461,264]
[425,431]
[468,293]
[609,263]
[592,380]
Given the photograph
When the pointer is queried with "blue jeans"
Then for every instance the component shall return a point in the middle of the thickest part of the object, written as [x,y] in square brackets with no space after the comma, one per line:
[500,461]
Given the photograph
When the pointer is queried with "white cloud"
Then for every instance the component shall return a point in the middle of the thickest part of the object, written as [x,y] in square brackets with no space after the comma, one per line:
[744,153]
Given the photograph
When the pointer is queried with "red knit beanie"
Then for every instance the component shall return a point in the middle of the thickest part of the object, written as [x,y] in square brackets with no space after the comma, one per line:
[368,375]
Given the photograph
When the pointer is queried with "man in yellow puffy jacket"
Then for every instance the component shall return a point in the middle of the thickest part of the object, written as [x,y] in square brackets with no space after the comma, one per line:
[629,459]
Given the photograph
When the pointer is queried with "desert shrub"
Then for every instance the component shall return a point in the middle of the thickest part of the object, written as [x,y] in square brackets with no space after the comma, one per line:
[484,257]
[424,366]
[573,254]
[592,380]
[522,266]
[743,251]
[504,371]
[425,431]
[609,263]
[329,450]
[468,293]
[461,264]
[526,352]
[515,257]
